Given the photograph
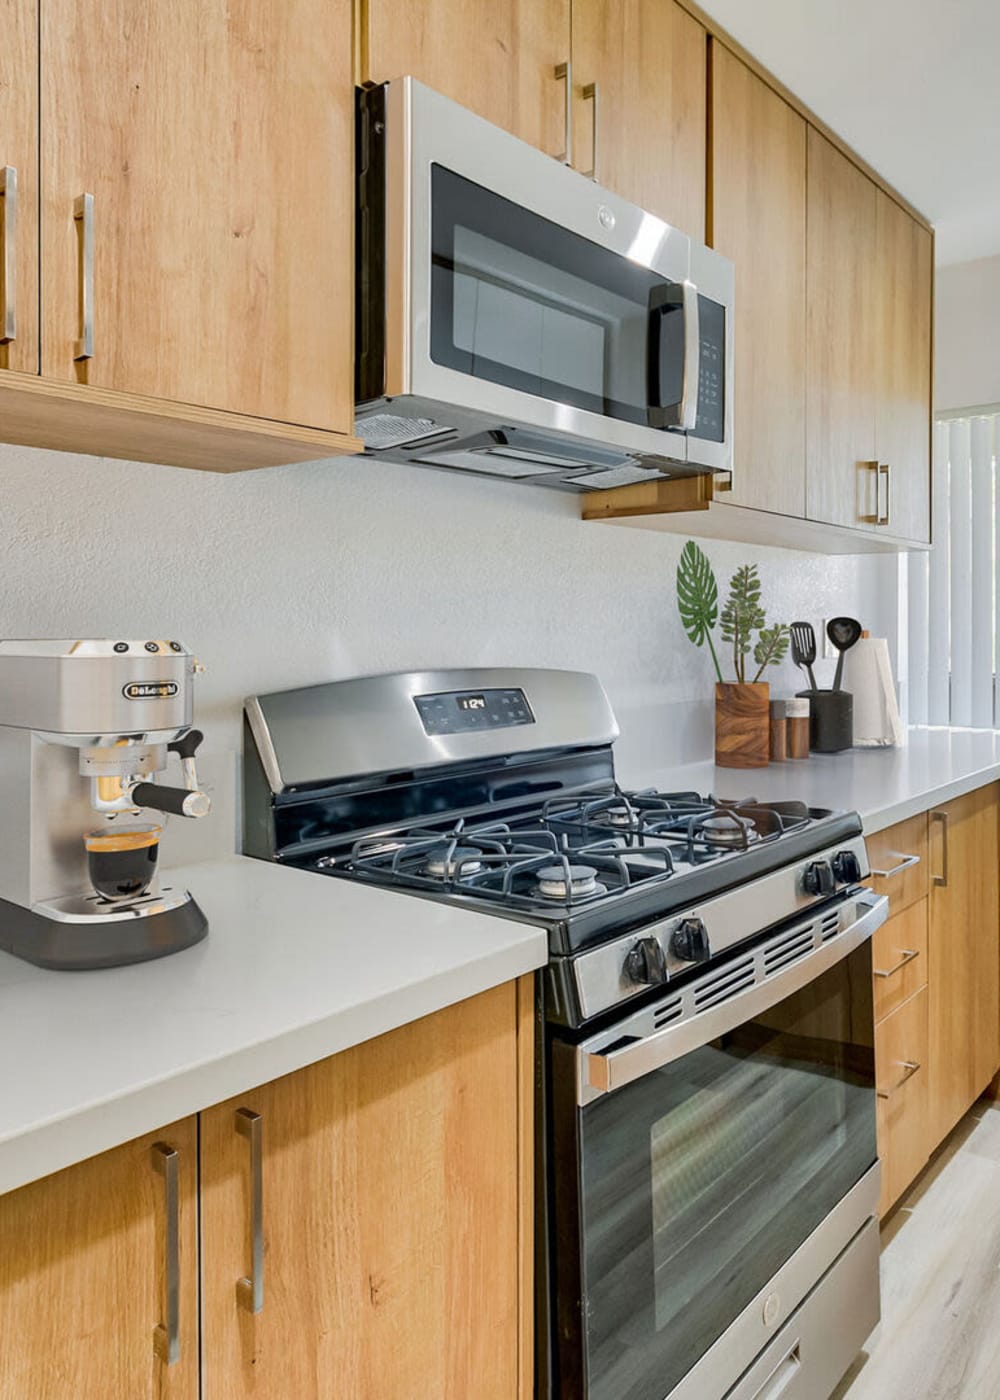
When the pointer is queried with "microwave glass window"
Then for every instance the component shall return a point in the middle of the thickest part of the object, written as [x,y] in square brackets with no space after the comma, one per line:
[519,301]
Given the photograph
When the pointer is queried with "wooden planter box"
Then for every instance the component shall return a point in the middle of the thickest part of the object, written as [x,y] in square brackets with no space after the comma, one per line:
[742,725]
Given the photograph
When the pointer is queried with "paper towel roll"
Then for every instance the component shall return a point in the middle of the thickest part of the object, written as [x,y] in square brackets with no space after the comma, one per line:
[868,676]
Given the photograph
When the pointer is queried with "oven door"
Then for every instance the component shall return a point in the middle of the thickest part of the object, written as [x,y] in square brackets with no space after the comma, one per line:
[701,1150]
[525,293]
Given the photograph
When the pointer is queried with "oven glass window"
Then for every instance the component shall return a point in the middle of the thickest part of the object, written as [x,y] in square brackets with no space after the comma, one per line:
[700,1180]
[520,301]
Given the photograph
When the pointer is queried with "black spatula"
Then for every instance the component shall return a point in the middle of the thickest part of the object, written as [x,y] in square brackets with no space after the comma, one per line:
[804,648]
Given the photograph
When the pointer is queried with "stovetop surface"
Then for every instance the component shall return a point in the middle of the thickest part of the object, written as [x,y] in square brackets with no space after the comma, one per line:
[591,862]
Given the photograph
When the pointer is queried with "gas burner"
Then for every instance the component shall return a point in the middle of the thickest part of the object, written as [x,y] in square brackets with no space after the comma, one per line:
[450,860]
[568,883]
[729,829]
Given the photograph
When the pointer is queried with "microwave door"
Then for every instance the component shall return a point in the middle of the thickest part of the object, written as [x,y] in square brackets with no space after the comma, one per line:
[672,354]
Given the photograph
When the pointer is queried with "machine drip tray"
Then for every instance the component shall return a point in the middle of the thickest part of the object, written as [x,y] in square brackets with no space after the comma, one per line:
[78,934]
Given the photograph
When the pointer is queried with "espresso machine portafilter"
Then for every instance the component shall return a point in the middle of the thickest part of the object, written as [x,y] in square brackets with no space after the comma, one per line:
[86,728]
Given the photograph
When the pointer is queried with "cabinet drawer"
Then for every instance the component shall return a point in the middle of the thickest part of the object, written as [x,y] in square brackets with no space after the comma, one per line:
[899,958]
[900,854]
[901,1079]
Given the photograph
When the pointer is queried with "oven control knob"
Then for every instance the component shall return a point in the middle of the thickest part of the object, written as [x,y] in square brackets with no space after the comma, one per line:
[645,962]
[689,941]
[847,867]
[818,878]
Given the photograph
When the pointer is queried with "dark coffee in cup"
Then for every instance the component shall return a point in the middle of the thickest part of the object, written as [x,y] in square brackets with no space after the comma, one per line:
[122,863]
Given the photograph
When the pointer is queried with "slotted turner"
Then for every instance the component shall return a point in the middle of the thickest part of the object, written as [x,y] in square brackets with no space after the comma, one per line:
[804,648]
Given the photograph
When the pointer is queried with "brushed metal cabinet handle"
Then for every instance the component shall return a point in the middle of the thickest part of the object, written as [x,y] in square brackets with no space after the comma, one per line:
[83,214]
[875,519]
[884,473]
[908,955]
[564,73]
[905,863]
[910,1068]
[942,817]
[167,1335]
[8,193]
[250,1291]
[591,93]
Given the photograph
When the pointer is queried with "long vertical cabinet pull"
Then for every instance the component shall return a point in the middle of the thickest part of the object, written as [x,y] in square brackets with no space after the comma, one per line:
[942,817]
[167,1335]
[564,74]
[591,93]
[83,214]
[885,473]
[8,193]
[250,1291]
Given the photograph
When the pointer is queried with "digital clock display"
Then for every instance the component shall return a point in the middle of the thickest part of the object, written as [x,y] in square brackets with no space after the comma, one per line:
[469,712]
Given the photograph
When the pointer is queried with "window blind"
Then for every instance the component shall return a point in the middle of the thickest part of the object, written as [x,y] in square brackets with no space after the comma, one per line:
[953,618]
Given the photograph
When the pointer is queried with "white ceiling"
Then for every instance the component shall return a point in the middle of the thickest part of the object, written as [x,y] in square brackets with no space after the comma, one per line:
[912,85]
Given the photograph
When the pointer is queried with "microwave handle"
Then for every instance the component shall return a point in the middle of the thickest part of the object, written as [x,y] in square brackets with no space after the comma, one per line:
[662,300]
[602,1072]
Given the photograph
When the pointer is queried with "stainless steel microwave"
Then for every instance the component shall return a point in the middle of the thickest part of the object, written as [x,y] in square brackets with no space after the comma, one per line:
[516,320]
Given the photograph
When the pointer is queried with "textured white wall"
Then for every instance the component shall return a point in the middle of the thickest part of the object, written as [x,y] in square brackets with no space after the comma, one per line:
[307,573]
[966,335]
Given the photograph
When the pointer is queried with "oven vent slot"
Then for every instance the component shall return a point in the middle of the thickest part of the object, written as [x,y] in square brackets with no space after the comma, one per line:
[734,978]
[788,949]
[830,925]
[669,1011]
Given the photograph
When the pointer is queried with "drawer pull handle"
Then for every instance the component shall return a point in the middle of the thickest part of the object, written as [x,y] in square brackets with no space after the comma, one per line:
[942,817]
[250,1291]
[564,73]
[8,193]
[908,955]
[906,863]
[167,1335]
[910,1068]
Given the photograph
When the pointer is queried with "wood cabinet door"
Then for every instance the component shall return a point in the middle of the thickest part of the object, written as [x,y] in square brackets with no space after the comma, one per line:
[758,218]
[904,271]
[217,141]
[643,132]
[84,1272]
[497,59]
[963,956]
[901,1073]
[19,185]
[390,1217]
[840,338]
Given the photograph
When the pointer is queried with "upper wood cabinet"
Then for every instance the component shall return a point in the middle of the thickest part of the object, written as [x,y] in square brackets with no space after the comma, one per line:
[88,1261]
[215,262]
[904,270]
[963,956]
[389,1219]
[19,185]
[758,218]
[841,478]
[639,102]
[497,59]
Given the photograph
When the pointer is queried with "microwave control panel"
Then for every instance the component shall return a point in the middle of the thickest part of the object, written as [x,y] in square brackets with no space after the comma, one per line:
[712,371]
[462,711]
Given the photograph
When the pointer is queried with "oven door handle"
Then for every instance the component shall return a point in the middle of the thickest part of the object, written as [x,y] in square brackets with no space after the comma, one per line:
[602,1072]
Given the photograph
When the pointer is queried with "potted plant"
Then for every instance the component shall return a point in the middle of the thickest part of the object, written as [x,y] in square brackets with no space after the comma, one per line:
[742,707]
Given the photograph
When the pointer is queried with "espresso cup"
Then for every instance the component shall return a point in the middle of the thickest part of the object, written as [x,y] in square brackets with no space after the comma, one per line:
[122,862]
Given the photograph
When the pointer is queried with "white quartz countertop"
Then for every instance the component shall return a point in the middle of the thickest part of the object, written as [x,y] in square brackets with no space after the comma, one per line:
[885,785]
[296,967]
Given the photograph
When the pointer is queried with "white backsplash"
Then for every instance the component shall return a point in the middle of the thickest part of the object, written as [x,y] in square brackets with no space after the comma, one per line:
[320,571]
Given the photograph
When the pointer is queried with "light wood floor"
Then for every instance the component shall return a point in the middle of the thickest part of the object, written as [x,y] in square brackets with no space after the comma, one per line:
[939,1338]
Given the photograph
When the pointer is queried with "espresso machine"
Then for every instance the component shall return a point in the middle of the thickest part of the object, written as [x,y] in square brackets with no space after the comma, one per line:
[86,728]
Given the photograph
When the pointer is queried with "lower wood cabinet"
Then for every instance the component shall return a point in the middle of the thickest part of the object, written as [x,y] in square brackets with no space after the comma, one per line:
[964,956]
[365,1232]
[901,1080]
[89,1260]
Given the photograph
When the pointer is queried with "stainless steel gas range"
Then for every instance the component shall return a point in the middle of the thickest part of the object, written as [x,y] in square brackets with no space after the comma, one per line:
[708,1175]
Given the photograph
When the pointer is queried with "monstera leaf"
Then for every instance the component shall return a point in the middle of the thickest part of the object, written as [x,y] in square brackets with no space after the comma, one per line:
[698,598]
